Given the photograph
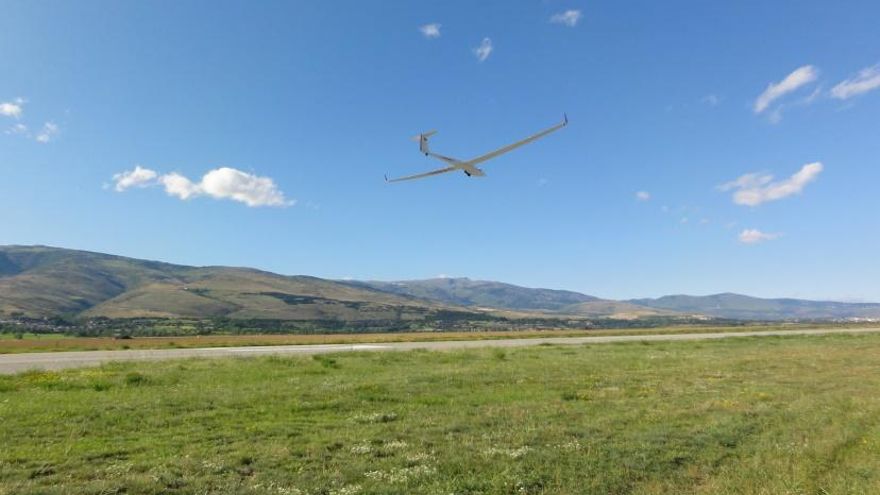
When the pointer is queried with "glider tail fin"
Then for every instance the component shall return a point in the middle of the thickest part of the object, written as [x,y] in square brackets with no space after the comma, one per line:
[423,141]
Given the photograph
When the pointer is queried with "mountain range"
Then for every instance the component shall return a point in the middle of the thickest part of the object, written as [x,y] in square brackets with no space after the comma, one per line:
[39,281]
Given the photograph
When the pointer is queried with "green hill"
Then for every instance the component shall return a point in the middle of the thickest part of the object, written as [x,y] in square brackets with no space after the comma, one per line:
[42,281]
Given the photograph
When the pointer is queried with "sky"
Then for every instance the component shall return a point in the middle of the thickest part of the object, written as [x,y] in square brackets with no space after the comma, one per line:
[712,146]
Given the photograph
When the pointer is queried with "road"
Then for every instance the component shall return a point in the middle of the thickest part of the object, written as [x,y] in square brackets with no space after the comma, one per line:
[14,363]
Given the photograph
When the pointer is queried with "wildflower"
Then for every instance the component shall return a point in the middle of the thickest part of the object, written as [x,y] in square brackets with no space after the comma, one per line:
[362,448]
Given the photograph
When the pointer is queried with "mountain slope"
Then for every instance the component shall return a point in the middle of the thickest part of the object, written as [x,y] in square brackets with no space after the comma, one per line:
[742,307]
[47,281]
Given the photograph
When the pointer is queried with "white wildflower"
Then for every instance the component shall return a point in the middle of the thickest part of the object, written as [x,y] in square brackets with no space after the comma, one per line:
[378,417]
[512,453]
[418,457]
[362,448]
[346,490]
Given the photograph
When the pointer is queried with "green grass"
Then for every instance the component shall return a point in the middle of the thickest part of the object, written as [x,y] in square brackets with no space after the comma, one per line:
[770,415]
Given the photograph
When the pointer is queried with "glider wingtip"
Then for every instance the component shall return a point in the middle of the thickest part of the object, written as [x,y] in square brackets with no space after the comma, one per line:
[564,118]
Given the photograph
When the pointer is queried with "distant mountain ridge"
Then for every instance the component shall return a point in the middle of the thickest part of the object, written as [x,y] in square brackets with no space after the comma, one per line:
[45,281]
[463,291]
[466,292]
[741,307]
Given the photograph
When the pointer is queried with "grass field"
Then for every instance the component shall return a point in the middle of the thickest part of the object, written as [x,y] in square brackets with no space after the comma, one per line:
[54,343]
[770,415]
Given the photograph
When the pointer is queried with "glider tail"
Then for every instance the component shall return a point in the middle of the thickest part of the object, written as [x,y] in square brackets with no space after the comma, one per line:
[423,141]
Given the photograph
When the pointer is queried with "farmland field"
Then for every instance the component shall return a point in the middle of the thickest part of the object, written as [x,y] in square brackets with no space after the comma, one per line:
[771,415]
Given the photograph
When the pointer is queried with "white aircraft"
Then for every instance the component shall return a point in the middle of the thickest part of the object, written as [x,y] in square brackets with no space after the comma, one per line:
[469,167]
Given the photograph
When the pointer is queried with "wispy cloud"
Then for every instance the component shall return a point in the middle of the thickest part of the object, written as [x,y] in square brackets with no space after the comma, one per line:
[756,188]
[430,31]
[15,109]
[568,18]
[812,96]
[47,133]
[800,77]
[220,183]
[12,108]
[775,115]
[19,129]
[868,79]
[483,51]
[754,236]
[643,195]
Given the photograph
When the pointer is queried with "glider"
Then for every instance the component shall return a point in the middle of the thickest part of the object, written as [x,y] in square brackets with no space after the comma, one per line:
[469,167]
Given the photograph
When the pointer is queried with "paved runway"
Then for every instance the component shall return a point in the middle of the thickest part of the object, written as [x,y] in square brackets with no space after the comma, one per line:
[14,363]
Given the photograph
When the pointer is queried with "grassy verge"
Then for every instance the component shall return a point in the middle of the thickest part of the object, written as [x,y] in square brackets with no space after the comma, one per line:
[783,415]
[44,343]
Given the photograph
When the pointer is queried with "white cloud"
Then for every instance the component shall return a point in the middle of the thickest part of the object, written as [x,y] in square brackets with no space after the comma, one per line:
[483,51]
[229,183]
[139,177]
[220,183]
[801,76]
[868,79]
[754,189]
[12,108]
[49,130]
[430,31]
[179,186]
[754,236]
[568,18]
[643,195]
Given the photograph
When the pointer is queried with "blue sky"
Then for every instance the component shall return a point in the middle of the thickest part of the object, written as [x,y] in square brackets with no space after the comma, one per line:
[299,108]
